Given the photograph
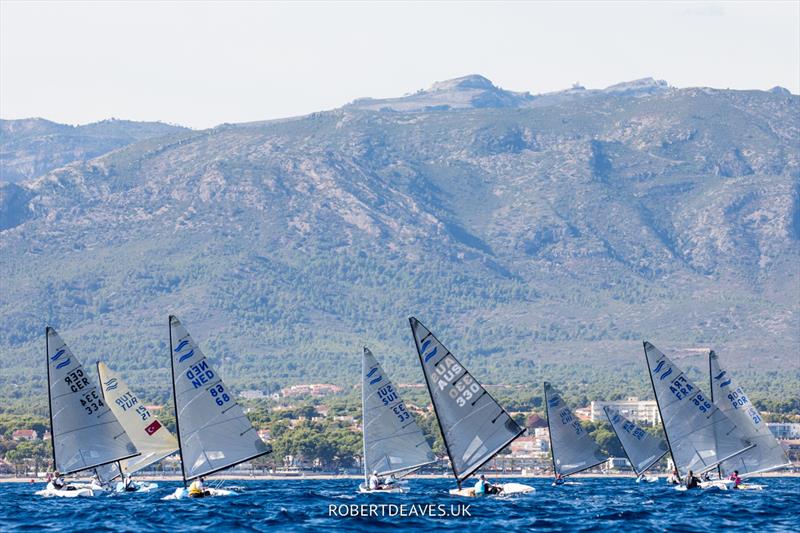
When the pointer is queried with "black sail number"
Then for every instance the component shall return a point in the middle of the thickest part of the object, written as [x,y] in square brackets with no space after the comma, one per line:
[91,402]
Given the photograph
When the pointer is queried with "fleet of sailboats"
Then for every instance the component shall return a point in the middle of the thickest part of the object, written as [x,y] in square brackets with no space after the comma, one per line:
[85,432]
[105,429]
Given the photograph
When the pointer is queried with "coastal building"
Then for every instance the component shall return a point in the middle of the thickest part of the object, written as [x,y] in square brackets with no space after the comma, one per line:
[617,463]
[25,434]
[252,394]
[632,408]
[264,435]
[784,430]
[315,390]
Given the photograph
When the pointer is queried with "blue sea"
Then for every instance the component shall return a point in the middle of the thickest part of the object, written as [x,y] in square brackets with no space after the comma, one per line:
[304,505]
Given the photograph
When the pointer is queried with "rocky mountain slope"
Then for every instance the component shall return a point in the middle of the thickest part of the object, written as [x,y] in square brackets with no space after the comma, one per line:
[537,235]
[32,147]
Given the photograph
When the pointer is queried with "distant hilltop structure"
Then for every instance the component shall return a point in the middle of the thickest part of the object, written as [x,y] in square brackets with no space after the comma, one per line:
[315,390]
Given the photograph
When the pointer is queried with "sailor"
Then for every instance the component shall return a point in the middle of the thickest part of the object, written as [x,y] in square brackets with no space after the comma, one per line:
[559,479]
[692,481]
[374,482]
[481,486]
[58,481]
[129,484]
[674,477]
[197,489]
[736,479]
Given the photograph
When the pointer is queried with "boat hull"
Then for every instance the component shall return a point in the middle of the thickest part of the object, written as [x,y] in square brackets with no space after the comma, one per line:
[70,491]
[393,490]
[182,493]
[509,489]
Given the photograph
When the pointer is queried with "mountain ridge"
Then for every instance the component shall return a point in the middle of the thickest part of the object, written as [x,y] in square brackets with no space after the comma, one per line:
[538,239]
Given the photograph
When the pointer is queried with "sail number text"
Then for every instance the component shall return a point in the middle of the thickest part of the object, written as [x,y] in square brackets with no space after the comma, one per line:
[464,389]
[388,395]
[128,400]
[683,389]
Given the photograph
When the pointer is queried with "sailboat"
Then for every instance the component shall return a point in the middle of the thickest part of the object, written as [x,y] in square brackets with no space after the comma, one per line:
[571,447]
[642,449]
[394,445]
[85,432]
[474,426]
[148,434]
[699,435]
[767,455]
[214,434]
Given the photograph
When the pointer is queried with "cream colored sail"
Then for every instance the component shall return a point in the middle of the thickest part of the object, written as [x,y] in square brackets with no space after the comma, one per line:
[149,435]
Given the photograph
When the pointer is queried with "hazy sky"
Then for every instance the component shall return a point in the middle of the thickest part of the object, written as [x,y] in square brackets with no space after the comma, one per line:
[201,64]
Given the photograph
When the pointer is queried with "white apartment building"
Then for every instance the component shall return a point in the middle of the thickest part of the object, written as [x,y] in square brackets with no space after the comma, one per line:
[632,408]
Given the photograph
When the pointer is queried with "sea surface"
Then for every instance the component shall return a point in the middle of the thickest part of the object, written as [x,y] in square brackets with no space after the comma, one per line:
[615,504]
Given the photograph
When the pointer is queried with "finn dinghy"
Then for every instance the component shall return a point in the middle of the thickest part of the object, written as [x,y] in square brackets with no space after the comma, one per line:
[214,434]
[767,455]
[571,447]
[642,449]
[393,442]
[699,435]
[474,426]
[85,432]
[148,434]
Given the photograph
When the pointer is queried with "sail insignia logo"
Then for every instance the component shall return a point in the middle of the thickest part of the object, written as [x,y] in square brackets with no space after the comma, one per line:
[665,374]
[186,356]
[181,346]
[63,363]
[58,354]
[372,373]
[553,402]
[720,376]
[658,367]
[431,355]
[111,384]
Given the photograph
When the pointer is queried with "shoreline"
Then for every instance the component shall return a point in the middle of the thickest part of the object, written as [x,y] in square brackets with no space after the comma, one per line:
[312,477]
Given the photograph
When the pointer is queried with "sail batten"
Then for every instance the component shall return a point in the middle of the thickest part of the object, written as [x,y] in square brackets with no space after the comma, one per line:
[85,432]
[698,433]
[393,442]
[213,431]
[571,447]
[471,435]
[766,454]
[148,434]
[642,449]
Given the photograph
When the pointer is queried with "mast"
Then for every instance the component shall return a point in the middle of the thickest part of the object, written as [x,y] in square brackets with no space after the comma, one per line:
[435,411]
[49,395]
[175,402]
[711,388]
[549,433]
[658,406]
[364,419]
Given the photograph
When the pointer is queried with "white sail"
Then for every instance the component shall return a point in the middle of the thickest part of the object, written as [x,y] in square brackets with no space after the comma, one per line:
[84,430]
[572,448]
[474,426]
[213,431]
[731,399]
[393,442]
[151,438]
[642,449]
[698,433]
